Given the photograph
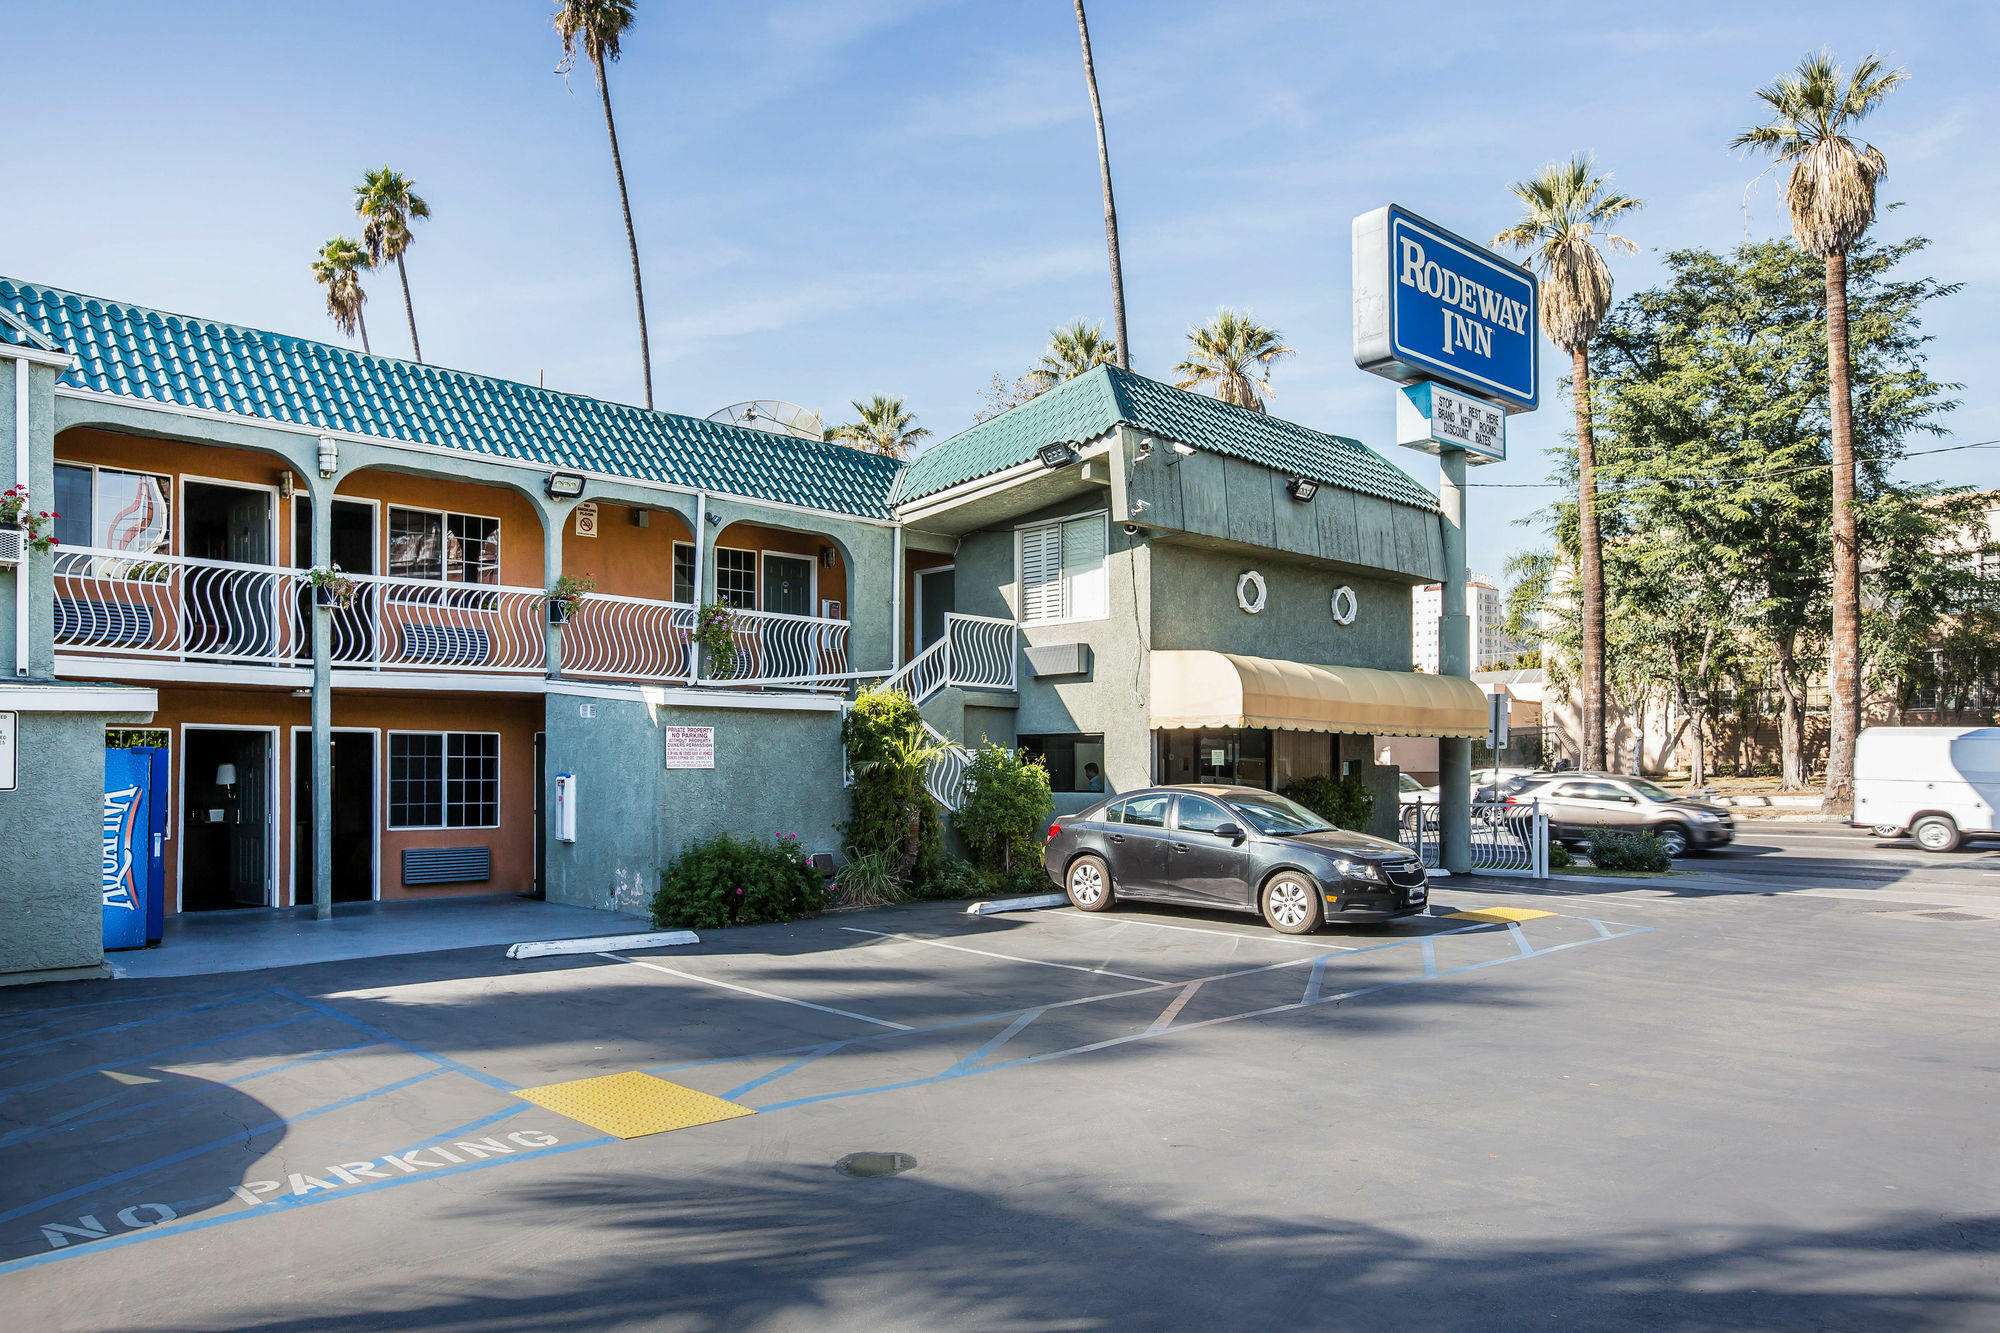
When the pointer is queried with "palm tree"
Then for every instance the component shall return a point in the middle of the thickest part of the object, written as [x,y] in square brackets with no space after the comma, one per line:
[594,27]
[338,268]
[1122,344]
[388,204]
[1564,208]
[1072,350]
[1229,352]
[1832,199]
[884,428]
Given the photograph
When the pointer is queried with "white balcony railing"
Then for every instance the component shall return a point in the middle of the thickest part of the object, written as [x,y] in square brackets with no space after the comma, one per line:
[974,652]
[119,605]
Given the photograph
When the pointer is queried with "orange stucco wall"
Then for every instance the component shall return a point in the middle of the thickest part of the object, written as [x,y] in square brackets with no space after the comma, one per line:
[517,718]
[830,581]
[520,525]
[626,561]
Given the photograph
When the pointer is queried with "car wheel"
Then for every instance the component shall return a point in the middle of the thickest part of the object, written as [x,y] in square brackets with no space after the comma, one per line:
[1887,831]
[1935,833]
[1088,884]
[1292,905]
[1675,839]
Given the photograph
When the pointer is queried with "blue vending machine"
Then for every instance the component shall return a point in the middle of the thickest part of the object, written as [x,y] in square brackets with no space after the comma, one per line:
[128,855]
[156,875]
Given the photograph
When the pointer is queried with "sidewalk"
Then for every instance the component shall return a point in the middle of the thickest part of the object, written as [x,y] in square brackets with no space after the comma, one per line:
[202,943]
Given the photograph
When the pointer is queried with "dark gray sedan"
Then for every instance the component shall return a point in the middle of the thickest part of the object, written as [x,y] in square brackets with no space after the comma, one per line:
[1236,848]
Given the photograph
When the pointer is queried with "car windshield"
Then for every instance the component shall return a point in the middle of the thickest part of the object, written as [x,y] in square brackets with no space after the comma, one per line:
[1409,783]
[1650,789]
[1275,814]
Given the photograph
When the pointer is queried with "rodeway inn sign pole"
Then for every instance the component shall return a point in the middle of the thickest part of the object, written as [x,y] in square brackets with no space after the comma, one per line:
[1456,325]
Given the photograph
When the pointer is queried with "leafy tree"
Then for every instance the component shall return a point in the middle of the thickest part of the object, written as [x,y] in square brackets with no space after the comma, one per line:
[1831,194]
[1564,207]
[594,28]
[884,428]
[1004,395]
[1073,349]
[338,267]
[1121,343]
[1006,808]
[388,203]
[1234,353]
[891,811]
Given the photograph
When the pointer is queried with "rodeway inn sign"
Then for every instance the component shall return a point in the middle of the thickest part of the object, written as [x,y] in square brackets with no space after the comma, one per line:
[1431,305]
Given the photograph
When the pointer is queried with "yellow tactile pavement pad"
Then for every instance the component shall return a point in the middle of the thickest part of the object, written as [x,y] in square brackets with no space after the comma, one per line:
[1497,914]
[632,1104]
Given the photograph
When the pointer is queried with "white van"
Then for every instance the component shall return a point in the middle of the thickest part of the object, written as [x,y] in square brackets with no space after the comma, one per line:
[1941,785]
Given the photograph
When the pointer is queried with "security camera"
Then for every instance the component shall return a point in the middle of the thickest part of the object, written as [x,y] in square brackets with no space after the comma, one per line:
[1131,529]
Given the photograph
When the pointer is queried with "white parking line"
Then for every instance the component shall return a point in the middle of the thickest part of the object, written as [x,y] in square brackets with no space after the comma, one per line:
[1008,957]
[760,994]
[1204,930]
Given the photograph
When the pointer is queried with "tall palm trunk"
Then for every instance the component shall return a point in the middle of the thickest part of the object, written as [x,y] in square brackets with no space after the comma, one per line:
[1590,567]
[1844,711]
[631,236]
[1110,208]
[362,319]
[416,348]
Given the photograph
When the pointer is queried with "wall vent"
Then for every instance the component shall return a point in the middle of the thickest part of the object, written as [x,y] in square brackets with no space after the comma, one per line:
[447,865]
[1059,659]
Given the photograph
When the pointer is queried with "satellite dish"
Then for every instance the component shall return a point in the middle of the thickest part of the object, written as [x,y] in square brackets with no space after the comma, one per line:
[773,415]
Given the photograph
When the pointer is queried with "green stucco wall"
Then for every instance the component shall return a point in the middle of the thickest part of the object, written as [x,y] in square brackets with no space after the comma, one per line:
[1194,606]
[775,771]
[51,844]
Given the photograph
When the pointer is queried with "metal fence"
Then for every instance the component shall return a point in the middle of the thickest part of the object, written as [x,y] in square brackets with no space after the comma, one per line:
[1506,839]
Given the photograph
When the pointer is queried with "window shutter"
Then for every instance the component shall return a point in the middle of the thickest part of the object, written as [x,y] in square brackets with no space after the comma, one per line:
[1083,569]
[1041,573]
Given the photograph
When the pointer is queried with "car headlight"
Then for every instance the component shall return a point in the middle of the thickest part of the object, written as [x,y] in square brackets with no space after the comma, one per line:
[1703,817]
[1357,870]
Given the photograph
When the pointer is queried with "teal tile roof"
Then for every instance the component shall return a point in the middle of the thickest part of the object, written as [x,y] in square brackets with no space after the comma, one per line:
[1094,402]
[145,354]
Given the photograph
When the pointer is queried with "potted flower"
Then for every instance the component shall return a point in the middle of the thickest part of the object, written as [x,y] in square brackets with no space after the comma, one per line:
[715,634]
[566,598]
[331,587]
[16,517]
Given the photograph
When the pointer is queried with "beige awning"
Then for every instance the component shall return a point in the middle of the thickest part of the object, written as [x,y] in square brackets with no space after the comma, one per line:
[1198,688]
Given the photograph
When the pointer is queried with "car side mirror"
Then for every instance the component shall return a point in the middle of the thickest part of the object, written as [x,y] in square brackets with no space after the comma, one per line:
[1230,831]
[1628,800]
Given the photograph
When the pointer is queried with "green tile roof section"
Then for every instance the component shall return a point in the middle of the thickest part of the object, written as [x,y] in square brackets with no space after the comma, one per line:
[134,352]
[1094,402]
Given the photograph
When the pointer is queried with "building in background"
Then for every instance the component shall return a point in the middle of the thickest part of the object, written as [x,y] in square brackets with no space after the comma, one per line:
[1491,648]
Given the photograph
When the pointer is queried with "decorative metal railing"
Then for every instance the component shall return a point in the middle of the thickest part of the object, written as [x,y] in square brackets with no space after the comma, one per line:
[974,652]
[423,625]
[629,638]
[122,604]
[944,776]
[1507,838]
[772,648]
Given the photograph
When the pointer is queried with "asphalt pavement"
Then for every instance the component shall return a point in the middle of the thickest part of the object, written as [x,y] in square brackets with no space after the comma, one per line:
[1584,1105]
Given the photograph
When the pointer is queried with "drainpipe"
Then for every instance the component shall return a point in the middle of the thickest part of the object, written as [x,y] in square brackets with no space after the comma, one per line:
[553,521]
[21,477]
[1454,659]
[322,710]
[700,576]
[896,602]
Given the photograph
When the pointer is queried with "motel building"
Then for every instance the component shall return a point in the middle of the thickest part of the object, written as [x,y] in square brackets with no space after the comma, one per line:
[1137,583]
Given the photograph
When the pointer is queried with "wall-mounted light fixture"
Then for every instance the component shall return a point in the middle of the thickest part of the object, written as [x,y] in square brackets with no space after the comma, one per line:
[826,557]
[1056,455]
[329,456]
[1302,490]
[641,518]
[287,484]
[564,485]
[714,519]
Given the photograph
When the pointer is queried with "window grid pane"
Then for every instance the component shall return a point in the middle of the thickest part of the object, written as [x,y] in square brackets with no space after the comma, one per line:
[416,544]
[472,553]
[472,779]
[416,780]
[736,578]
[683,572]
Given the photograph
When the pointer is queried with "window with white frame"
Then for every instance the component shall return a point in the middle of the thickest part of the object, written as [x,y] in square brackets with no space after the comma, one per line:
[112,509]
[448,548]
[736,578]
[684,572]
[444,779]
[1061,570]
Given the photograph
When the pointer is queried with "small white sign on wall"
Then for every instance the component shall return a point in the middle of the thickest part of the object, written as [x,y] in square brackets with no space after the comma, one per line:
[9,725]
[690,747]
[586,519]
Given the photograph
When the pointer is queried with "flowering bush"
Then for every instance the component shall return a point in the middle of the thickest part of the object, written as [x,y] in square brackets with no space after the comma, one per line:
[729,881]
[568,593]
[14,509]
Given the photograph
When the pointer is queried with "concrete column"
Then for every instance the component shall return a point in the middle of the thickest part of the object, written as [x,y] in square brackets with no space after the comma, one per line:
[554,518]
[322,710]
[897,560]
[1454,659]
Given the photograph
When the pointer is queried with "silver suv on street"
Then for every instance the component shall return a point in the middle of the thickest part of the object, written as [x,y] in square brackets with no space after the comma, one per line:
[1579,804]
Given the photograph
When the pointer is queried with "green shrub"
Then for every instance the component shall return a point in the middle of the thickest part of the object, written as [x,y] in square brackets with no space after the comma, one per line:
[887,752]
[1611,850]
[869,880]
[727,881]
[1341,802]
[1005,810]
[949,877]
[1560,857]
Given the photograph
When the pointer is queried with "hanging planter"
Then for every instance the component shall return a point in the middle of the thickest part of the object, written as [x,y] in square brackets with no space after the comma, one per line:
[331,588]
[21,527]
[566,598]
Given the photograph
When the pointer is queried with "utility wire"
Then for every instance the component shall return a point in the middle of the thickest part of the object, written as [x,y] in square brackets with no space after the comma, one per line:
[1720,481]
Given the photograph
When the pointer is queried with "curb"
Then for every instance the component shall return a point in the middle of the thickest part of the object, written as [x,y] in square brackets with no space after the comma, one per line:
[1030,904]
[601,944]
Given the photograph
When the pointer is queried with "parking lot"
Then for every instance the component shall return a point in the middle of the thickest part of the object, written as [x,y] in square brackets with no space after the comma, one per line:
[1591,1105]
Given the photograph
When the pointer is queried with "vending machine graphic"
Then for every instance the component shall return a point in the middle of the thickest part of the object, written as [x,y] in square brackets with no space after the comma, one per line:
[128,881]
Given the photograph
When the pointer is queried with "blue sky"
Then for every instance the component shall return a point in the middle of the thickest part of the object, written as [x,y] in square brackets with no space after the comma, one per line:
[857,196]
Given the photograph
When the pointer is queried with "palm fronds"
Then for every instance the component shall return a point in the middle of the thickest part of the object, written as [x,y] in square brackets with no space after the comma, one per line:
[1565,207]
[1234,353]
[883,428]
[1073,349]
[338,267]
[1831,193]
